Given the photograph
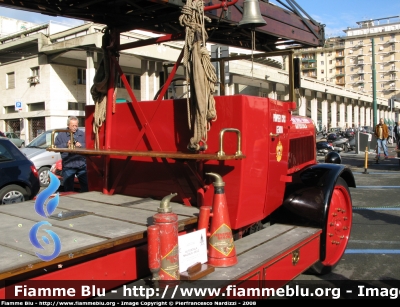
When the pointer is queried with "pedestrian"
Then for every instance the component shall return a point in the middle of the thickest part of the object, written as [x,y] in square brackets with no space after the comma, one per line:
[396,134]
[73,164]
[381,133]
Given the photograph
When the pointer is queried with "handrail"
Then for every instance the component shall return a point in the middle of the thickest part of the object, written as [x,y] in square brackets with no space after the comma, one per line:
[221,140]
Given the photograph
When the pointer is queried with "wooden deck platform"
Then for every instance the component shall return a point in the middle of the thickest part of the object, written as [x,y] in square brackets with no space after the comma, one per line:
[85,223]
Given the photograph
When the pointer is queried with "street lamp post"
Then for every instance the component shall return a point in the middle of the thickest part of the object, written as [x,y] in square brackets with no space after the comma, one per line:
[375,120]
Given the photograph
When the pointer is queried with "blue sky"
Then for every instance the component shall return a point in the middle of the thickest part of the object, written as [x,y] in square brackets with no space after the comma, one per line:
[337,15]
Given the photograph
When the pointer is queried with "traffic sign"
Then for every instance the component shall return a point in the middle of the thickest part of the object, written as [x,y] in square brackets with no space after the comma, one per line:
[18,105]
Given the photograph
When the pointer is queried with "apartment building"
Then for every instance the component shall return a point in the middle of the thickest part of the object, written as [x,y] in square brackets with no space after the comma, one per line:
[348,60]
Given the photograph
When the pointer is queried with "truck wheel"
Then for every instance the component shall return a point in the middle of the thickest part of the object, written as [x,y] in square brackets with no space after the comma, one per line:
[338,228]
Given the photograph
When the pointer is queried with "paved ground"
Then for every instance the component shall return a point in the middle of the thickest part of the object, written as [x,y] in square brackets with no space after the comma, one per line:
[373,251]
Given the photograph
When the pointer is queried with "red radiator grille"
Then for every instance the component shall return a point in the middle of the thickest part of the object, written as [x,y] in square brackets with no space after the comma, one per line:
[301,150]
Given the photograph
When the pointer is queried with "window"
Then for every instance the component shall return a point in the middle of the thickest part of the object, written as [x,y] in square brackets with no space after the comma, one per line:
[136,82]
[392,36]
[381,57]
[322,79]
[322,54]
[330,71]
[381,66]
[393,76]
[35,71]
[121,84]
[10,80]
[36,106]
[351,68]
[382,76]
[382,85]
[393,48]
[322,63]
[381,38]
[81,76]
[76,106]
[330,62]
[322,71]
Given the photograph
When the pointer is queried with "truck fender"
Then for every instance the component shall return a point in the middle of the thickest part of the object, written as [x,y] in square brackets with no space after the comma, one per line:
[309,195]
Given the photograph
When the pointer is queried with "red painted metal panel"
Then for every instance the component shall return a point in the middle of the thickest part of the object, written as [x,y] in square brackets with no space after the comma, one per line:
[117,268]
[251,195]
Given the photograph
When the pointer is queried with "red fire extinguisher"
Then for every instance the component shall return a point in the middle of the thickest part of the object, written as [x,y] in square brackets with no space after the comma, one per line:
[167,224]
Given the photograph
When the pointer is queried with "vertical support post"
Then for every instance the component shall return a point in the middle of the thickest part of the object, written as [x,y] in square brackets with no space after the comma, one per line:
[165,79]
[222,77]
[292,93]
[114,39]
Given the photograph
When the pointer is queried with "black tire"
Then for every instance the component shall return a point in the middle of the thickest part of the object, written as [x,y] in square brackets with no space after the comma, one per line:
[13,193]
[44,176]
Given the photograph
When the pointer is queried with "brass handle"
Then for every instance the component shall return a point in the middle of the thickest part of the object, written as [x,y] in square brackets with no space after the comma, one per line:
[274,135]
[221,141]
[71,146]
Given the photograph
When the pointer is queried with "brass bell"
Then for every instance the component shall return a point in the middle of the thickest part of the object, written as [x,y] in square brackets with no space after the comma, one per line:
[251,15]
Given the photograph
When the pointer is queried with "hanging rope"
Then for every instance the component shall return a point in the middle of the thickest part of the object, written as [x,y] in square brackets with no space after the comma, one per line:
[198,68]
[99,90]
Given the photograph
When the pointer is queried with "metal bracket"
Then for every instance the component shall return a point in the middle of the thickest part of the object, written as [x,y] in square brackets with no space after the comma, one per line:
[221,140]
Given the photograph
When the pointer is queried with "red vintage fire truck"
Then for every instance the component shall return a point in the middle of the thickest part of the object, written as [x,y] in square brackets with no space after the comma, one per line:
[287,213]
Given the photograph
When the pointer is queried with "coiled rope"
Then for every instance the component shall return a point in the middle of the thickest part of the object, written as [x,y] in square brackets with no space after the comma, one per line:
[198,68]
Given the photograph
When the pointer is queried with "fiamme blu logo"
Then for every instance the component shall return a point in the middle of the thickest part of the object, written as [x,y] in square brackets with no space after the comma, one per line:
[45,210]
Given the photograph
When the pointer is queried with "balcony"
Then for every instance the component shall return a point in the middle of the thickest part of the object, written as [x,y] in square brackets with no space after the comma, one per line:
[340,82]
[340,74]
[308,60]
[33,80]
[307,67]
[360,72]
[339,56]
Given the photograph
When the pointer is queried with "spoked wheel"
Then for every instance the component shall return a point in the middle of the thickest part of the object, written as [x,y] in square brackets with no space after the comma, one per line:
[338,228]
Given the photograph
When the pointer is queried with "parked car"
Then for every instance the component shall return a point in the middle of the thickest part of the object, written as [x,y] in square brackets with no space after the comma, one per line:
[56,169]
[19,179]
[15,139]
[43,159]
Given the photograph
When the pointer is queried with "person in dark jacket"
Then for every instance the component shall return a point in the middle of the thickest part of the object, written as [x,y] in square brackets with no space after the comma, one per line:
[73,164]
[396,133]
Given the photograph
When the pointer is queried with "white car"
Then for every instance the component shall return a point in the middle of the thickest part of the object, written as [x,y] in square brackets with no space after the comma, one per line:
[43,159]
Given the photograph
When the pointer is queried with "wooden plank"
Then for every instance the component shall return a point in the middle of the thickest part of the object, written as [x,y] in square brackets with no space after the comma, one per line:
[150,154]
[261,237]
[11,257]
[122,200]
[15,235]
